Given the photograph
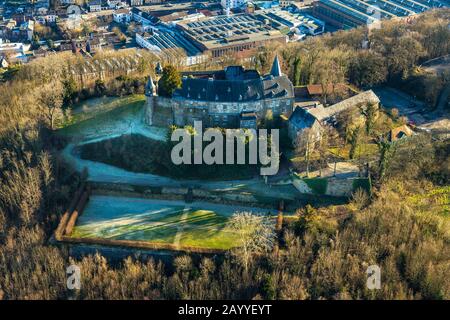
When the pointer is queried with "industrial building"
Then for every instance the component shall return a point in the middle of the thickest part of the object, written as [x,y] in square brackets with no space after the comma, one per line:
[170,40]
[297,21]
[222,35]
[347,14]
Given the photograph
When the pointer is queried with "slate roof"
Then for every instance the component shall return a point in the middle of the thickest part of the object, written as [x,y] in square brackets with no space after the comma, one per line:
[150,86]
[276,69]
[360,99]
[268,87]
[301,119]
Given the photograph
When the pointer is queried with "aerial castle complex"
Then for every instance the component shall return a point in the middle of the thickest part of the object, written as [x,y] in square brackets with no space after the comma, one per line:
[230,98]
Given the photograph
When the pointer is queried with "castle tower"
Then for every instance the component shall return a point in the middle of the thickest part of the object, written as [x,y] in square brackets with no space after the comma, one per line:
[150,97]
[276,68]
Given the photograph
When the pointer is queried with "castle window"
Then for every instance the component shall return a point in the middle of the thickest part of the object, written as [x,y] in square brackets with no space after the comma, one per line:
[229,89]
[217,97]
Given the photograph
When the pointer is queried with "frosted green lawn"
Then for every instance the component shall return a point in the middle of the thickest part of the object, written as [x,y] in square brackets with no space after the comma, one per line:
[110,117]
[160,221]
[98,113]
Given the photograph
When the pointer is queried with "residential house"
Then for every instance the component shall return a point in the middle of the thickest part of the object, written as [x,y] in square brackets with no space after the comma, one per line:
[51,18]
[6,28]
[310,117]
[143,17]
[135,3]
[301,120]
[112,3]
[122,16]
[24,32]
[28,29]
[14,51]
[41,11]
[95,5]
[232,4]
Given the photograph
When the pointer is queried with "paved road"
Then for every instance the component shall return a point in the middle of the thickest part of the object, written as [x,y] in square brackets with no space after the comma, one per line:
[437,121]
[437,65]
[344,170]
[101,172]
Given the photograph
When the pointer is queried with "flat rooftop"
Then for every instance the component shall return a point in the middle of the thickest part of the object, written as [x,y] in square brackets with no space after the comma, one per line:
[363,9]
[171,40]
[219,31]
[290,19]
[165,9]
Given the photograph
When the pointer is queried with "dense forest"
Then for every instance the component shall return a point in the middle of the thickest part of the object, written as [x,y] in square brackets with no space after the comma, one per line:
[324,252]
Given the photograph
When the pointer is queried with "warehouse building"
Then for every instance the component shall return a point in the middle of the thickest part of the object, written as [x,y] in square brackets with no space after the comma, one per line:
[223,35]
[352,13]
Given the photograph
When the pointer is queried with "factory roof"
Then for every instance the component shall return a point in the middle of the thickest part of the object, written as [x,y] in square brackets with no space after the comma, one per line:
[218,31]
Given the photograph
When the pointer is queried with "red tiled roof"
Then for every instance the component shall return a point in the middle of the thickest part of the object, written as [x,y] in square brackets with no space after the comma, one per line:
[317,89]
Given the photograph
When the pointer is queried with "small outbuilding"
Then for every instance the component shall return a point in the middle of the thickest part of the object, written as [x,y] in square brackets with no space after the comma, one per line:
[400,133]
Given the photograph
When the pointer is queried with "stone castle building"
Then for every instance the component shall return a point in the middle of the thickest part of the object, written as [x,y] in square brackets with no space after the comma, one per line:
[229,98]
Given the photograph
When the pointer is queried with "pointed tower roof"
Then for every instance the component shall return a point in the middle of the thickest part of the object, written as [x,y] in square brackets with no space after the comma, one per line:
[276,69]
[158,68]
[150,88]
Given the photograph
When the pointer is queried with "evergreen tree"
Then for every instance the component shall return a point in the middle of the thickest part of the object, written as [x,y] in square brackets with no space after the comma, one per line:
[169,81]
[355,138]
[297,71]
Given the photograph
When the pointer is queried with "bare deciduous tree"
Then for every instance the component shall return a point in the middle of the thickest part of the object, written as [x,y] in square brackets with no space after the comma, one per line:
[51,100]
[256,234]
[304,146]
